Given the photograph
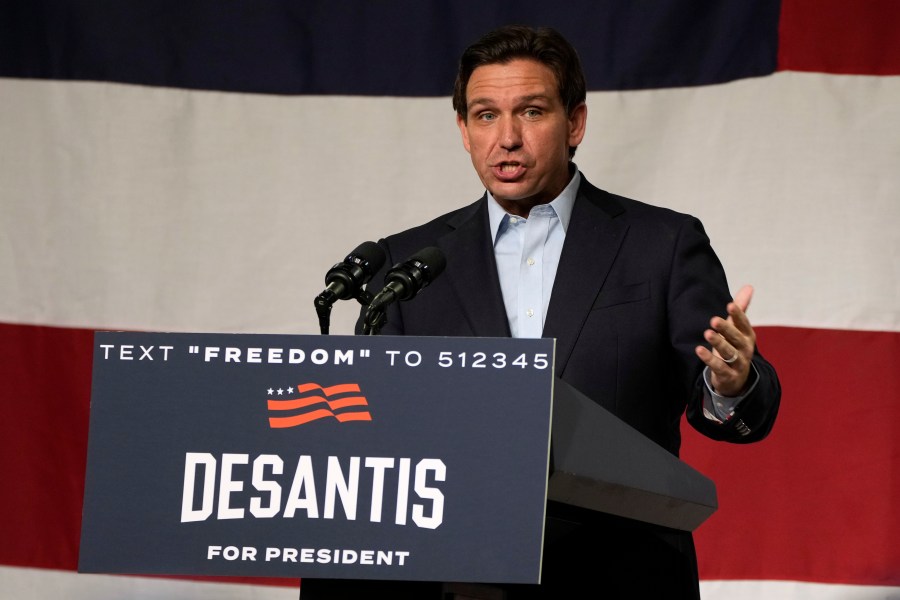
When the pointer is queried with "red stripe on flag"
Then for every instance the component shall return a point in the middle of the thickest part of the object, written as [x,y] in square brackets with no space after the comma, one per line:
[45,378]
[353,416]
[328,391]
[294,404]
[310,400]
[295,420]
[817,500]
[348,401]
[322,413]
[836,36]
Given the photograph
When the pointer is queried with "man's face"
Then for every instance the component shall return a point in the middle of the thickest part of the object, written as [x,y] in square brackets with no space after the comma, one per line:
[518,133]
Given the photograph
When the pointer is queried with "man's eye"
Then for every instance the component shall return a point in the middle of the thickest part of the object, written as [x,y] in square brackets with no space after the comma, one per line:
[487,116]
[532,112]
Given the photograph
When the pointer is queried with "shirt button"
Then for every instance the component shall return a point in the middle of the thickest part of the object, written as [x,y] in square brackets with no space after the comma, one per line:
[513,220]
[530,262]
[529,312]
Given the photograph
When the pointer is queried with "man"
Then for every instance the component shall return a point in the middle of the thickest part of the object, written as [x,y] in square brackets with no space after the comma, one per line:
[629,291]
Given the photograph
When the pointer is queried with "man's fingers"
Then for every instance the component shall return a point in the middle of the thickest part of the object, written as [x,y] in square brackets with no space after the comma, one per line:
[726,347]
[738,318]
[732,342]
[729,330]
[743,297]
[737,312]
[720,364]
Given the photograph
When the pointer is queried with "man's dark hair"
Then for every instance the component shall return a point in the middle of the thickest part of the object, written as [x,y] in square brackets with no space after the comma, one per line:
[544,45]
[506,44]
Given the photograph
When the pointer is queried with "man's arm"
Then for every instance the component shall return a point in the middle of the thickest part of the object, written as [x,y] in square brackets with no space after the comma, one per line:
[735,368]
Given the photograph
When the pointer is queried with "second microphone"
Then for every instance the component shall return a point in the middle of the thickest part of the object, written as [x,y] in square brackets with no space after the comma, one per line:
[408,278]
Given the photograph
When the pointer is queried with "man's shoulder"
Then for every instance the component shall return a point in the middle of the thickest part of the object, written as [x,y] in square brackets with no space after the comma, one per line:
[440,225]
[616,205]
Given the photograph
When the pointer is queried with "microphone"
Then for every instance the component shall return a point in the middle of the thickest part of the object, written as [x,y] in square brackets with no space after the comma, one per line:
[408,278]
[346,279]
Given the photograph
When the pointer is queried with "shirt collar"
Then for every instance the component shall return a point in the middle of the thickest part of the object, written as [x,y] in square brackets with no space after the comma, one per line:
[562,204]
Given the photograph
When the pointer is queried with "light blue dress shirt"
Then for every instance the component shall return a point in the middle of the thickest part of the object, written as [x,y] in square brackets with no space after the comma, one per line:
[527,253]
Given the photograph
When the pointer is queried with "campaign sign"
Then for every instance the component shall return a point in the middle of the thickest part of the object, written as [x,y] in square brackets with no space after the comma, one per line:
[344,457]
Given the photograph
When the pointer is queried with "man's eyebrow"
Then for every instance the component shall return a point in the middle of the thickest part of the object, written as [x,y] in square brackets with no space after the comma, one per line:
[480,101]
[534,97]
[486,101]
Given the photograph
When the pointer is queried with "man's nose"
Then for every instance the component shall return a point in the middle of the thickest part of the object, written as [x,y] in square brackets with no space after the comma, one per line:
[510,134]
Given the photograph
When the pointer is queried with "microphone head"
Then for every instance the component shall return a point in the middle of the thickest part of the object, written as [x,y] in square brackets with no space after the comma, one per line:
[407,279]
[369,256]
[346,278]
[431,261]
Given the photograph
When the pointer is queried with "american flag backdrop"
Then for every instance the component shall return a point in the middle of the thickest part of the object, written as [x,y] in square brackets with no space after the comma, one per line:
[198,165]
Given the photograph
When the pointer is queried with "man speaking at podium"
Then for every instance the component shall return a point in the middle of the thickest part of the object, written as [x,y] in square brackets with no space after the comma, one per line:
[634,295]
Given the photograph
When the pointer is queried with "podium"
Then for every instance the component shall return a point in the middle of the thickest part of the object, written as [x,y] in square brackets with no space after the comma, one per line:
[636,479]
[352,457]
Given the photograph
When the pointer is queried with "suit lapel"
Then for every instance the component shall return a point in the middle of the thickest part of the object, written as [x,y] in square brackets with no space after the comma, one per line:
[592,243]
[472,271]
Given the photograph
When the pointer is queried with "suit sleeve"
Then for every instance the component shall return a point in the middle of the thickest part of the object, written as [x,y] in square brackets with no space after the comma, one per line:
[754,416]
[698,291]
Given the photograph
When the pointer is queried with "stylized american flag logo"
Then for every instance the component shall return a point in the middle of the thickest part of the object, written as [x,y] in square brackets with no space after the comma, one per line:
[343,402]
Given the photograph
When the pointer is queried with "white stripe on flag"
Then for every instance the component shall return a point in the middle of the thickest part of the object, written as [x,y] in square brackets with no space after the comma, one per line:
[38,584]
[127,206]
[793,590]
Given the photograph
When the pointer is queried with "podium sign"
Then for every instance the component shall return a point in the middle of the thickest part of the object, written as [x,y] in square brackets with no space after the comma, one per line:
[344,457]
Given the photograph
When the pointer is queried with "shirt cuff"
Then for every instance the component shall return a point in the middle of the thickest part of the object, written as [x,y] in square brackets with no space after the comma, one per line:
[720,408]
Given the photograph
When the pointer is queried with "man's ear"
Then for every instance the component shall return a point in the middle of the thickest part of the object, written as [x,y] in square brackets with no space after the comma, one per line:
[463,130]
[577,124]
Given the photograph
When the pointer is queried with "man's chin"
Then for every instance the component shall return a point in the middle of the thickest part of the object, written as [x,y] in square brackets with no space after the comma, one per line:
[511,191]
